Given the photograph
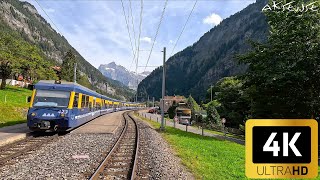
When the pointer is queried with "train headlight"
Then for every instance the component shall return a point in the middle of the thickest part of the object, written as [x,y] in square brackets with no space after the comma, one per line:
[33,114]
[62,115]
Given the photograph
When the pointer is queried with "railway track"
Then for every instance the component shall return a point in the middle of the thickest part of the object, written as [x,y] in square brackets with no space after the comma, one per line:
[24,146]
[120,162]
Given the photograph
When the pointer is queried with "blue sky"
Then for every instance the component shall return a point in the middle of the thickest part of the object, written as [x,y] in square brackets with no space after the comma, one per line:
[97,28]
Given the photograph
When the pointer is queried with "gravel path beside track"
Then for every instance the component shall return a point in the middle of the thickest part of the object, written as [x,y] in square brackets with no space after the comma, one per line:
[156,160]
[70,157]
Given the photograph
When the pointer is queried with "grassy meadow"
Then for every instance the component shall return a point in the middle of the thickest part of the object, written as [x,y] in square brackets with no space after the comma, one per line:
[206,157]
[13,105]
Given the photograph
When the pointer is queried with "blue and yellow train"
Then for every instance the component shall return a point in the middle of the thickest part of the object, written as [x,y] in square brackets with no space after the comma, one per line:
[64,106]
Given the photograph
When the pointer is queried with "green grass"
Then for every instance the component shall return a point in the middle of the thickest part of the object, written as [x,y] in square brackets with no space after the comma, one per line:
[14,110]
[221,133]
[206,157]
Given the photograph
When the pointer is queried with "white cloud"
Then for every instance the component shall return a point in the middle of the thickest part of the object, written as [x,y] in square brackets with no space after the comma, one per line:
[146,39]
[213,19]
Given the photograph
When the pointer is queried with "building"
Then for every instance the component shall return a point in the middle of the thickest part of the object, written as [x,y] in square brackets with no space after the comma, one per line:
[169,100]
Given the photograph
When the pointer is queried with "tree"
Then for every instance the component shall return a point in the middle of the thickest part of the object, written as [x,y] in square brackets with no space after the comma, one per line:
[67,69]
[172,110]
[193,105]
[213,116]
[231,100]
[283,78]
[8,59]
[19,57]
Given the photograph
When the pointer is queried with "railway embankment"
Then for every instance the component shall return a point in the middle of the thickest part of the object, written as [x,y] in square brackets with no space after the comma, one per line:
[71,156]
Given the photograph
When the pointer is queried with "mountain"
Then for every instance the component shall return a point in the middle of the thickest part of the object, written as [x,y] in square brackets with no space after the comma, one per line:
[212,57]
[23,19]
[120,73]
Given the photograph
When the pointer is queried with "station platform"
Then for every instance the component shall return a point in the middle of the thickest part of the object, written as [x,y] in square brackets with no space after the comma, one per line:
[10,134]
[106,124]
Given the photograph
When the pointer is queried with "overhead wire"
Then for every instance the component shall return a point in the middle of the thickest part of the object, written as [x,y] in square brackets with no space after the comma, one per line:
[155,37]
[125,17]
[48,17]
[134,32]
[138,50]
[183,28]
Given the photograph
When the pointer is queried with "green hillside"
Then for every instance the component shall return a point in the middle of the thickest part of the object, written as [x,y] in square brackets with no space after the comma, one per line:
[195,68]
[13,105]
[22,19]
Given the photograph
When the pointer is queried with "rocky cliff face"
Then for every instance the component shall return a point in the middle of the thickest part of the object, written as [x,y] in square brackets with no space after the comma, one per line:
[24,19]
[120,73]
[195,68]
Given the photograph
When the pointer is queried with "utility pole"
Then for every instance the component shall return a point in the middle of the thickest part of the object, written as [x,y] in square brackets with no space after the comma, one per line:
[107,87]
[211,92]
[163,87]
[148,101]
[153,101]
[75,73]
[137,91]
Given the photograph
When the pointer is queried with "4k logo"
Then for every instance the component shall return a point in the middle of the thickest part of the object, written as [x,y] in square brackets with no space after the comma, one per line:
[282,148]
[275,149]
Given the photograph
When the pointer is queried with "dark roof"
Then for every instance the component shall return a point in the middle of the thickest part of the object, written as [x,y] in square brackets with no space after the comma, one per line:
[71,86]
[65,86]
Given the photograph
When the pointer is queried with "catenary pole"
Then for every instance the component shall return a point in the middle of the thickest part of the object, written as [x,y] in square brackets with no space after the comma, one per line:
[163,87]
[75,73]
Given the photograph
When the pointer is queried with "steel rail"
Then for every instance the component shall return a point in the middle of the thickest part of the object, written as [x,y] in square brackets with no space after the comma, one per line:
[101,170]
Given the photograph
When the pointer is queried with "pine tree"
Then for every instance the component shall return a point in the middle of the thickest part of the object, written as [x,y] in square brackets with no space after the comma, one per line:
[67,69]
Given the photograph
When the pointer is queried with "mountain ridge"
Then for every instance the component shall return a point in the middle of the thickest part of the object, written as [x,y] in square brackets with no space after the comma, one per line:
[23,18]
[212,57]
[121,74]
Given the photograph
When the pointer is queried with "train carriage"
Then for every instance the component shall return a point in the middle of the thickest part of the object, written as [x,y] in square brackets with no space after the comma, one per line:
[60,107]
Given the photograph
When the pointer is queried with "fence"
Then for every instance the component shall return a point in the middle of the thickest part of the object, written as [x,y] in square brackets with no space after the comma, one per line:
[13,99]
[227,129]
[232,132]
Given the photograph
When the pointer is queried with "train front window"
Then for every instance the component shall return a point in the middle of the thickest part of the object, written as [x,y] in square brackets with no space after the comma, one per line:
[46,98]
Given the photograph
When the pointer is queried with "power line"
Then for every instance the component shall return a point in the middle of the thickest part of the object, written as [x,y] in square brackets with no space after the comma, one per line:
[48,17]
[139,36]
[134,33]
[183,27]
[155,37]
[125,17]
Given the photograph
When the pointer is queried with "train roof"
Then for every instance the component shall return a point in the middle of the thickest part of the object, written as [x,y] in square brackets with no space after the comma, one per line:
[71,86]
[64,86]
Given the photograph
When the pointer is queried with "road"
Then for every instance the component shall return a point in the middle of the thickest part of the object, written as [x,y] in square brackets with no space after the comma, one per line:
[157,118]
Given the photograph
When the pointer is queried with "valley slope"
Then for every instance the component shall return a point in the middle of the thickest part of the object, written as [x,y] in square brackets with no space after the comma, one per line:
[23,19]
[195,68]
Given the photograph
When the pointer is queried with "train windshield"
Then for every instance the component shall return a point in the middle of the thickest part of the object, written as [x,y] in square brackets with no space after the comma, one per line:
[46,98]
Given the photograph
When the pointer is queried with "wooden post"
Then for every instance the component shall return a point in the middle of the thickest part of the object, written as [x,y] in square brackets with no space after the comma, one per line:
[202,130]
[186,128]
[5,98]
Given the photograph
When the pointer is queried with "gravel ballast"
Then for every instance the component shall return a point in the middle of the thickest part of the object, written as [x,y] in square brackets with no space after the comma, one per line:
[70,157]
[156,159]
[76,155]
